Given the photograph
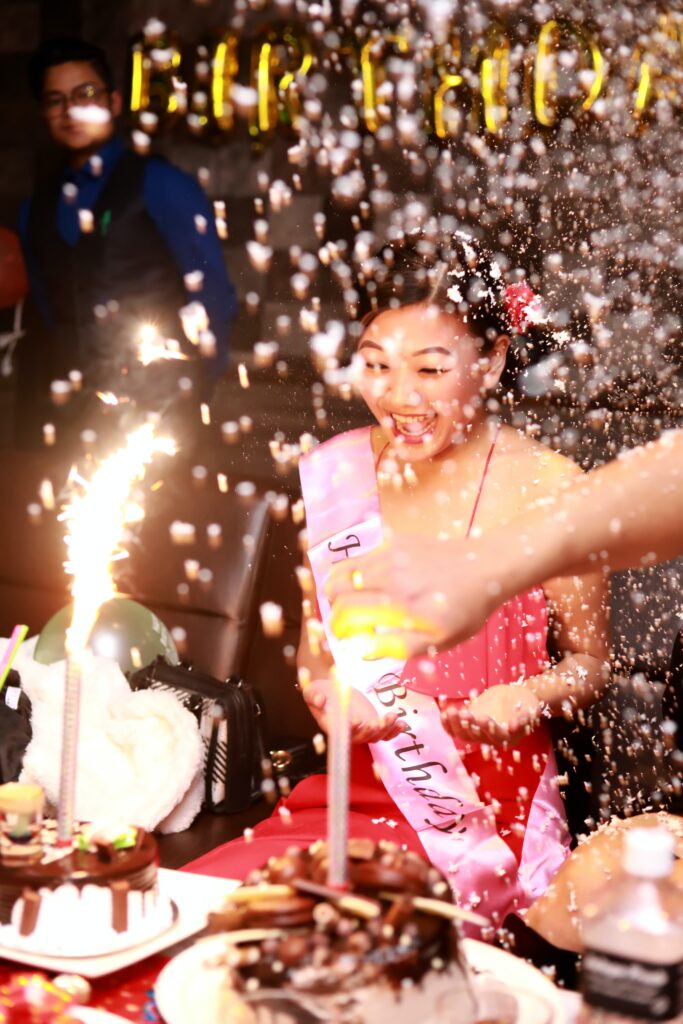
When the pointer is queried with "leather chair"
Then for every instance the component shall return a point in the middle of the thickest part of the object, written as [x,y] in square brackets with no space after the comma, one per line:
[672,699]
[632,771]
[672,712]
[610,755]
[254,563]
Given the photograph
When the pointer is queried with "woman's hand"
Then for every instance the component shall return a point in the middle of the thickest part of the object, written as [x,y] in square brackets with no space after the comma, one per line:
[366,724]
[499,715]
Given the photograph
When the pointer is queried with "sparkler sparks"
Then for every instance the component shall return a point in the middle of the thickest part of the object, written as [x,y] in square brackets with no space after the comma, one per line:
[109,398]
[95,520]
[153,347]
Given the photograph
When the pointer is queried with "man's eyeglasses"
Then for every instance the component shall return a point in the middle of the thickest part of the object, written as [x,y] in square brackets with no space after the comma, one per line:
[54,103]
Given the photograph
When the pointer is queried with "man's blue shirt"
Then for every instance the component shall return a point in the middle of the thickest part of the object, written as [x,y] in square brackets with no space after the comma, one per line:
[173,200]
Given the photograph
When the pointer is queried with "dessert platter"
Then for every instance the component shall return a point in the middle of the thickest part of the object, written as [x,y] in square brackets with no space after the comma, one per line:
[95,894]
[283,945]
[287,947]
[95,904]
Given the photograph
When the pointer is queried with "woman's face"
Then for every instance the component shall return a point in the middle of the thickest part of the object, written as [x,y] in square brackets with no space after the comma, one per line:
[420,374]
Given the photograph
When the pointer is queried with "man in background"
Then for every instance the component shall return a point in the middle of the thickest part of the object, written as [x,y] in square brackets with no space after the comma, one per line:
[114,241]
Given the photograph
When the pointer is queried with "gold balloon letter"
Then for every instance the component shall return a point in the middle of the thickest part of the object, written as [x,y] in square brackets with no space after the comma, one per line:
[156,82]
[652,82]
[270,58]
[447,59]
[368,65]
[545,68]
[494,79]
[224,69]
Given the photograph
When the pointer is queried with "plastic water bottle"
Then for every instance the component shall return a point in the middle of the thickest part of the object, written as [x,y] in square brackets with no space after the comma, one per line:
[633,938]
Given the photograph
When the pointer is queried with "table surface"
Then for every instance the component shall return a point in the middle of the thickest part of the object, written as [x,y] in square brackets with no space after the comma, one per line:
[206,833]
[130,992]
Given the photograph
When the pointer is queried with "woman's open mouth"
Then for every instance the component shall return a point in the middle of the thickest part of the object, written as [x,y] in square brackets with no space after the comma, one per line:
[414,428]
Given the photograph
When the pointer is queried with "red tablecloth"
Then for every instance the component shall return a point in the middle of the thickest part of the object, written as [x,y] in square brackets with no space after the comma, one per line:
[128,993]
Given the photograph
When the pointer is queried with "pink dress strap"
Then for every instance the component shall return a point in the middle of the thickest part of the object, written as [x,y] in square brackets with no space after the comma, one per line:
[487,464]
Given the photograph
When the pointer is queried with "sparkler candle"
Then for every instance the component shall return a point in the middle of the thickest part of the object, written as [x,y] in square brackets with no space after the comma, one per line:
[265,353]
[338,770]
[95,518]
[194,280]
[47,495]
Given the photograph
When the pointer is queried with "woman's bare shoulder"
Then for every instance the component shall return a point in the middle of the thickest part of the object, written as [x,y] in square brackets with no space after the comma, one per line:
[536,463]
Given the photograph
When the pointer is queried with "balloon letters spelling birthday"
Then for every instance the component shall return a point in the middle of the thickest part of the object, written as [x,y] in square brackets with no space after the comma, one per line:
[257,82]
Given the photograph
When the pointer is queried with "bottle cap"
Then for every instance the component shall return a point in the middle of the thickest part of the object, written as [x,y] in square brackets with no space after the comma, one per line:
[648,852]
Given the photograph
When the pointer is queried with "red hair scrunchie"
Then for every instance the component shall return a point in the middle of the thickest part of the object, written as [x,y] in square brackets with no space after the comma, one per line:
[522,306]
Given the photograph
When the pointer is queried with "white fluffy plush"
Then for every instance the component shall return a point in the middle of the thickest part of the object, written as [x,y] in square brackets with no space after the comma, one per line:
[140,754]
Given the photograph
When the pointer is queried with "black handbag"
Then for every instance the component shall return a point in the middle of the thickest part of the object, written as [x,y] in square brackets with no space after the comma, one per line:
[239,767]
[15,727]
[229,719]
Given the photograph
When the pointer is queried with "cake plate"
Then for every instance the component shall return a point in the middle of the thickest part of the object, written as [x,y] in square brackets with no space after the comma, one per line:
[93,1015]
[194,896]
[189,981]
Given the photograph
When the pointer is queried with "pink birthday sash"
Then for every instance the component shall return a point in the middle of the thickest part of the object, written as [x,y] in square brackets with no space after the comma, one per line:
[423,769]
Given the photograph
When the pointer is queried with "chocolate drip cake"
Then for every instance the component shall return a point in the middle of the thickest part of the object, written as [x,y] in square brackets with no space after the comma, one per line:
[96,895]
[387,944]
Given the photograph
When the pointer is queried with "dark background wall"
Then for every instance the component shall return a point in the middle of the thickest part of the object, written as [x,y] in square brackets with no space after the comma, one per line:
[234,167]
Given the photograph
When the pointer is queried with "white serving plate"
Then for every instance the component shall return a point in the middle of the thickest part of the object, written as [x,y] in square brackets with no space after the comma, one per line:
[521,977]
[189,981]
[91,1015]
[195,896]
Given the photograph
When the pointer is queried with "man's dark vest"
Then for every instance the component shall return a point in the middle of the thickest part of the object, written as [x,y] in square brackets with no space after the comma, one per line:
[117,277]
[100,291]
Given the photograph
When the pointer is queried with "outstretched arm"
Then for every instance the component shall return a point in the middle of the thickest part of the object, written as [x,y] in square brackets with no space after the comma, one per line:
[421,594]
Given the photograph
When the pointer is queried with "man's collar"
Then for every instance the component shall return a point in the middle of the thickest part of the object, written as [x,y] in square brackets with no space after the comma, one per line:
[108,154]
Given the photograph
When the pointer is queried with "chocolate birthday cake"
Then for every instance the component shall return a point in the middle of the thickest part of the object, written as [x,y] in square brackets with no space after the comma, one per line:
[97,895]
[387,944]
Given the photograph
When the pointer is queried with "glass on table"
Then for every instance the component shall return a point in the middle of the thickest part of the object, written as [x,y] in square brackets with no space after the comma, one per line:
[21,814]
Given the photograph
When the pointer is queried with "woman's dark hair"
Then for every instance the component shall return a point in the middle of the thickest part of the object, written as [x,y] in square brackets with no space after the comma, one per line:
[456,275]
[52,52]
